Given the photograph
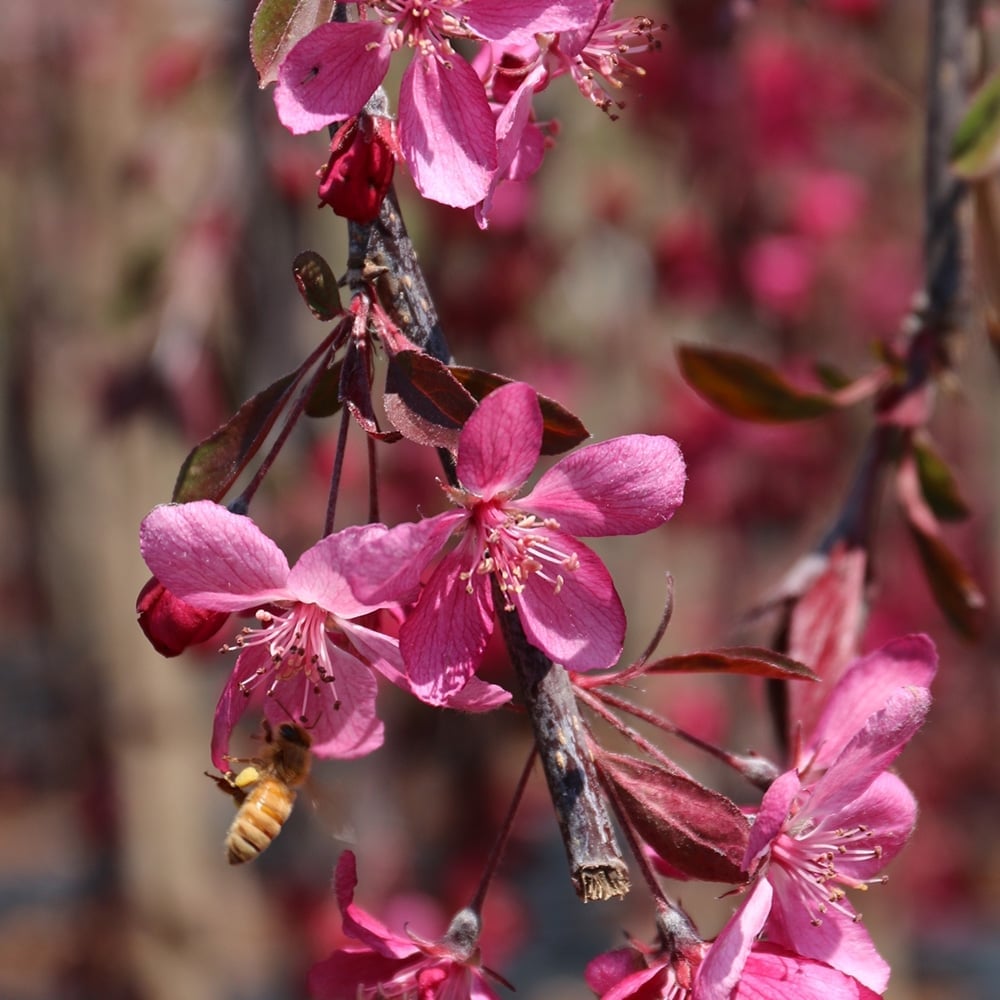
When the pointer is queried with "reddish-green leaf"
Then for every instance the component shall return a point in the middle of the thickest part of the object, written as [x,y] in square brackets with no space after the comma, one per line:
[562,429]
[957,594]
[975,149]
[746,388]
[424,401]
[317,285]
[212,467]
[277,25]
[937,484]
[696,830]
[754,660]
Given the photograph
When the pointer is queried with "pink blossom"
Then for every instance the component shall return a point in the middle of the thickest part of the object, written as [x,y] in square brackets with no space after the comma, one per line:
[446,127]
[683,967]
[563,593]
[838,828]
[384,964]
[310,658]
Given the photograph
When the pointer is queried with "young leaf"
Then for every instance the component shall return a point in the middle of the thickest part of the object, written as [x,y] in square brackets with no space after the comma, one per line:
[212,466]
[975,149]
[753,660]
[957,594]
[277,25]
[562,429]
[937,483]
[748,389]
[317,285]
[696,830]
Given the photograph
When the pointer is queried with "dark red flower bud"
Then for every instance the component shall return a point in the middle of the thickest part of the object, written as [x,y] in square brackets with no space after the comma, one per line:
[170,624]
[359,172]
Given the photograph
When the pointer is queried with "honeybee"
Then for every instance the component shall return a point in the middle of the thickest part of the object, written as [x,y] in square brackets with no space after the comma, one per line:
[264,791]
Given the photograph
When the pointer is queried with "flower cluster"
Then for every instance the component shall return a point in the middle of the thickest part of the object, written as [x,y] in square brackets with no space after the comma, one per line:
[463,126]
[315,653]
[829,824]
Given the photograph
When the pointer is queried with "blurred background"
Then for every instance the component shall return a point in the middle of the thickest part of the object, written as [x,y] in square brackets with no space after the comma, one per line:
[761,191]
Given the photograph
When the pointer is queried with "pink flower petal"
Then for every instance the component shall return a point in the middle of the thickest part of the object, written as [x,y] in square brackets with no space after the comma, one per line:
[723,966]
[501,441]
[518,23]
[212,558]
[510,126]
[619,487]
[348,973]
[583,625]
[233,704]
[340,716]
[478,696]
[872,750]
[393,562]
[327,573]
[446,131]
[361,925]
[330,74]
[864,689]
[771,816]
[887,808]
[838,940]
[442,641]
[774,974]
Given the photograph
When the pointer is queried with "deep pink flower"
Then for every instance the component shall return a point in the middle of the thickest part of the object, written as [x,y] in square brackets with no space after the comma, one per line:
[309,659]
[563,593]
[446,127]
[834,823]
[387,965]
[685,968]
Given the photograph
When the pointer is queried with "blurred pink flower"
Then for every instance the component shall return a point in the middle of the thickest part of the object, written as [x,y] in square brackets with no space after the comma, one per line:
[310,659]
[385,964]
[446,126]
[563,593]
[780,272]
[811,840]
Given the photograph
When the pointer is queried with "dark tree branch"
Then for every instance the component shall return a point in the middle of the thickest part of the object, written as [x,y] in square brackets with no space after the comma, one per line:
[381,255]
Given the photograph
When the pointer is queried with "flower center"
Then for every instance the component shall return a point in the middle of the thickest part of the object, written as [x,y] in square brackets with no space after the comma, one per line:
[811,855]
[297,642]
[425,25]
[516,546]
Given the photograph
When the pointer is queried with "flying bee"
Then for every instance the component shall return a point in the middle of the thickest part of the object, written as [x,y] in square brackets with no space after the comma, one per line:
[264,791]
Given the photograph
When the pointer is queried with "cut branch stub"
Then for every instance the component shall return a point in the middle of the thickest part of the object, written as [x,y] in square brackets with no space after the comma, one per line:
[597,869]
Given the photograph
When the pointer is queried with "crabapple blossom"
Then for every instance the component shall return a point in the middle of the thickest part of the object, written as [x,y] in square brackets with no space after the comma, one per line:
[836,830]
[446,128]
[384,964]
[683,967]
[525,546]
[310,658]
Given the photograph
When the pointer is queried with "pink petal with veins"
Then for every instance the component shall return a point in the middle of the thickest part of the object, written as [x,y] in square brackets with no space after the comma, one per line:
[583,625]
[501,441]
[722,967]
[212,558]
[864,689]
[518,23]
[619,487]
[330,74]
[442,641]
[446,131]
